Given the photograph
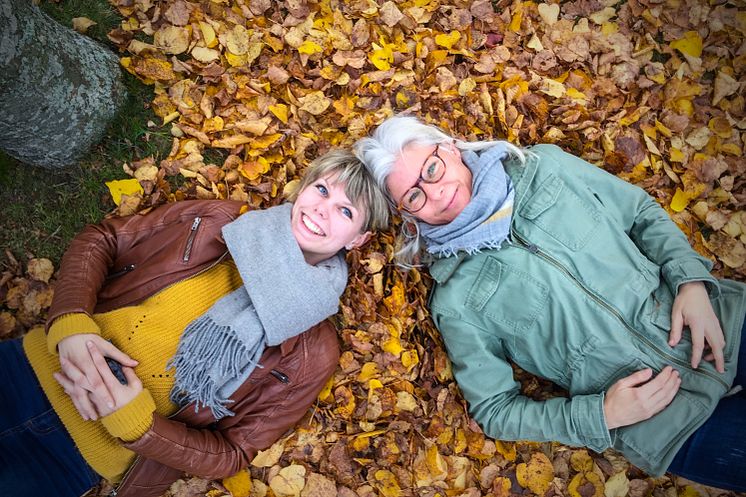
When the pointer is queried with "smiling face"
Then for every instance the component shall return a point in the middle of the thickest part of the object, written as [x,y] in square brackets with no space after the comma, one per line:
[324,220]
[447,197]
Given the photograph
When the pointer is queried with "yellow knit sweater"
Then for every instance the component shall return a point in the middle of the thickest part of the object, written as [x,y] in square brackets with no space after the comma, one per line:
[149,333]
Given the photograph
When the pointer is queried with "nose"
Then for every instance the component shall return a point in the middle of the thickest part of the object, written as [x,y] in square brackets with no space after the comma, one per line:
[432,190]
[322,208]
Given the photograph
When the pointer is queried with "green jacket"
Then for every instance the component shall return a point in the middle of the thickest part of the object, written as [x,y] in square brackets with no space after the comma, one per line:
[581,294]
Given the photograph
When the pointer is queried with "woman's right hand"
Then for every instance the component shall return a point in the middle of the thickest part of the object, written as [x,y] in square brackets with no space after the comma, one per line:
[112,396]
[636,397]
[77,364]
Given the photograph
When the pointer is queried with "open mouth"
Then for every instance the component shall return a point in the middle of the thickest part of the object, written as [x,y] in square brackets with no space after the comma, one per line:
[312,227]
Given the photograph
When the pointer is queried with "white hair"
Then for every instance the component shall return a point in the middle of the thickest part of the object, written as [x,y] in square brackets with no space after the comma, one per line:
[380,151]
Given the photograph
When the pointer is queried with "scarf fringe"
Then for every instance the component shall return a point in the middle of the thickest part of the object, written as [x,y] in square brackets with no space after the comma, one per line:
[223,353]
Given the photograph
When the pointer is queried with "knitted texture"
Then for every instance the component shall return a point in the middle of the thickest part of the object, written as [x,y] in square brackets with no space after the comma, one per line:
[149,333]
[134,419]
[67,325]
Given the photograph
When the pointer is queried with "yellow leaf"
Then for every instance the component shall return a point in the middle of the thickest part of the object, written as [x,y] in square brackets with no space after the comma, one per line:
[81,24]
[515,22]
[205,55]
[549,12]
[310,47]
[236,40]
[208,34]
[581,461]
[405,401]
[280,111]
[325,395]
[617,485]
[721,127]
[213,124]
[609,28]
[368,371]
[684,106]
[581,480]
[689,491]
[386,483]
[172,39]
[690,44]
[315,103]
[262,142]
[231,141]
[117,188]
[448,40]
[506,449]
[679,201]
[239,485]
[575,94]
[236,60]
[289,481]
[393,346]
[251,170]
[676,155]
[270,457]
[40,269]
[409,359]
[466,86]
[381,57]
[537,474]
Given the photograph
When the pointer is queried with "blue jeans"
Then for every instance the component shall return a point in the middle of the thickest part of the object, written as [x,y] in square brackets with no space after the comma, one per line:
[715,454]
[37,456]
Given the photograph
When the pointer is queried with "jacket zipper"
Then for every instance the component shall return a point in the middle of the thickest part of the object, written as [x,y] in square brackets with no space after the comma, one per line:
[282,377]
[535,250]
[190,240]
[126,269]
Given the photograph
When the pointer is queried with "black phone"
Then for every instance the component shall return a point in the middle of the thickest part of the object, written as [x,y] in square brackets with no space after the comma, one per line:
[116,370]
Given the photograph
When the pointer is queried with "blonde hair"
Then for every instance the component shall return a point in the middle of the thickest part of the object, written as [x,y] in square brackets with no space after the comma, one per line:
[359,185]
[380,151]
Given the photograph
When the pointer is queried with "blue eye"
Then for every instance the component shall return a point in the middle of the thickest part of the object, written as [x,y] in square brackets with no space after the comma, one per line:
[322,189]
[346,212]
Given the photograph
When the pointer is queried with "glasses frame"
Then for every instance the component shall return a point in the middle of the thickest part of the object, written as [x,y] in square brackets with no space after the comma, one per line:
[420,180]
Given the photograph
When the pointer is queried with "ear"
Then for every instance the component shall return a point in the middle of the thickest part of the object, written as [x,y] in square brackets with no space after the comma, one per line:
[359,241]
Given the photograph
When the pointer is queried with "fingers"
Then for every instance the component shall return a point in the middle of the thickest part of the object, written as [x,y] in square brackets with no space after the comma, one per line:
[110,381]
[636,378]
[108,349]
[75,390]
[698,344]
[716,341]
[677,327]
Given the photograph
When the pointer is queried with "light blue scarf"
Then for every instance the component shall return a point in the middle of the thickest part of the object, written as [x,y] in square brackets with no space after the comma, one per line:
[485,221]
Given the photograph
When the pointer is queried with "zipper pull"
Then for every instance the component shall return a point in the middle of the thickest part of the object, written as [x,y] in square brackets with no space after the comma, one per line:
[280,376]
[532,248]
[196,222]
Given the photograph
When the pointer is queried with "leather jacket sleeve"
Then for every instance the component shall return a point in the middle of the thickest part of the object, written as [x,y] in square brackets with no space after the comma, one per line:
[265,408]
[124,260]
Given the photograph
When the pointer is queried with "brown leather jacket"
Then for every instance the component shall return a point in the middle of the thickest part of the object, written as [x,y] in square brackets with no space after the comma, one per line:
[123,261]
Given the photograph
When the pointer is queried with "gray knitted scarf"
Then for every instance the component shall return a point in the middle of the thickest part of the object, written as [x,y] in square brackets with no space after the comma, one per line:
[485,221]
[282,296]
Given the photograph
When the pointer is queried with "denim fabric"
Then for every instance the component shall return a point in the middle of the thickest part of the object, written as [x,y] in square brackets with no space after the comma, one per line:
[37,456]
[716,454]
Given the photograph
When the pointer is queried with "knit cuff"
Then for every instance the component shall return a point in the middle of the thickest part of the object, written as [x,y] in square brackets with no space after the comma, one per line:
[132,420]
[69,325]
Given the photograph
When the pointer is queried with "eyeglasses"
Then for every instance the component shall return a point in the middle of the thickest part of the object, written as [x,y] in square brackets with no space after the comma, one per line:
[432,171]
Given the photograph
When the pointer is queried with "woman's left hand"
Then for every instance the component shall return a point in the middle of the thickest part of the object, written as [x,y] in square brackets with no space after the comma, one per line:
[122,394]
[692,308]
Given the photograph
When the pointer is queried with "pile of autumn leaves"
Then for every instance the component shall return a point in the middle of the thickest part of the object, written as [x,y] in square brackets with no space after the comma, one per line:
[251,91]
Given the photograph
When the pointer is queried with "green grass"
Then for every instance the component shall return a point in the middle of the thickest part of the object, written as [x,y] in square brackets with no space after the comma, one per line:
[42,209]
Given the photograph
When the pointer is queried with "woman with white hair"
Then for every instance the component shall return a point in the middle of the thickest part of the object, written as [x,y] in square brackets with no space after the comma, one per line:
[545,260]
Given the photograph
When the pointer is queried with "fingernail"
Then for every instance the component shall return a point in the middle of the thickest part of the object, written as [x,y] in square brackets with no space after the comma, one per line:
[110,405]
[89,344]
